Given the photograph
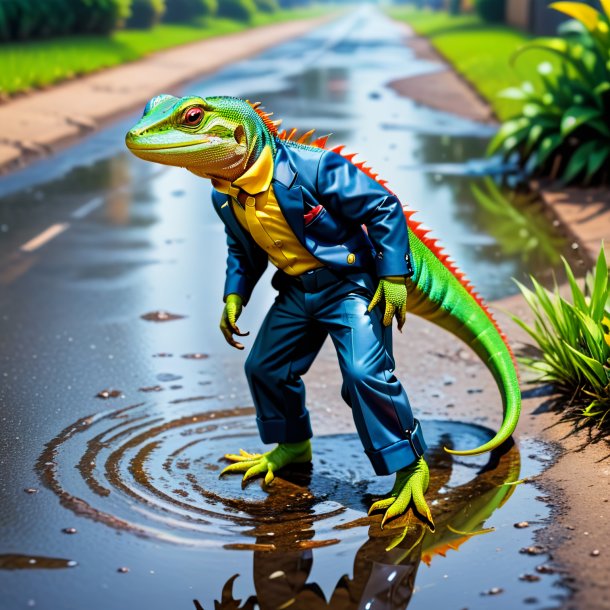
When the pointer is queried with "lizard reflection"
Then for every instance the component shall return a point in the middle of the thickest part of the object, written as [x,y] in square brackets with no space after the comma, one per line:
[385,566]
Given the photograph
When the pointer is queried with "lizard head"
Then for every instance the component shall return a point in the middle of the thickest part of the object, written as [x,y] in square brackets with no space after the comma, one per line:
[213,137]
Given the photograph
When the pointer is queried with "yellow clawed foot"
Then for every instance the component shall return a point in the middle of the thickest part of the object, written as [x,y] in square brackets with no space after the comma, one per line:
[410,487]
[254,464]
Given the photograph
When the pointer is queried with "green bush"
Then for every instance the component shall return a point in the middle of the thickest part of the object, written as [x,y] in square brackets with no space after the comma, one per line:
[563,128]
[25,19]
[266,6]
[98,16]
[491,10]
[573,338]
[145,13]
[183,11]
[240,10]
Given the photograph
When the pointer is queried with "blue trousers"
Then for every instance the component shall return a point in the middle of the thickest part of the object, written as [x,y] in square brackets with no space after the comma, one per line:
[288,341]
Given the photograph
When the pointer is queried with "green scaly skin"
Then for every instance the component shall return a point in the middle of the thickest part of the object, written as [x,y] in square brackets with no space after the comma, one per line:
[220,138]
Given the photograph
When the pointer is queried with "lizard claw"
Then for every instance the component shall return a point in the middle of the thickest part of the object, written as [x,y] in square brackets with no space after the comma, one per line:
[381,505]
[411,484]
[243,456]
[254,464]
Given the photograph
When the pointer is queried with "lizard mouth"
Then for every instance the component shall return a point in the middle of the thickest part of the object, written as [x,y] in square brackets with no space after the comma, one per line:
[210,140]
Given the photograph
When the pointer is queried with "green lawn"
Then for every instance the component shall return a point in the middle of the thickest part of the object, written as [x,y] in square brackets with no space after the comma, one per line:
[480,51]
[28,65]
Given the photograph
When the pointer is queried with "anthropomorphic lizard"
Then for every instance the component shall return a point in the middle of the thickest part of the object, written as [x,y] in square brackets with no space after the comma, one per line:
[347,254]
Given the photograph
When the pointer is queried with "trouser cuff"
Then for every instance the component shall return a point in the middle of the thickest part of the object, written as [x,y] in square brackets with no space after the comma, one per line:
[400,454]
[285,430]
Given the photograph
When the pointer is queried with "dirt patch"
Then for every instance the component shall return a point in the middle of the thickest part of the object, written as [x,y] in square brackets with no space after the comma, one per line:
[586,212]
[442,89]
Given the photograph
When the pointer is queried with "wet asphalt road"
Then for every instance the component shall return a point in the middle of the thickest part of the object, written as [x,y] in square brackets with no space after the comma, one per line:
[91,240]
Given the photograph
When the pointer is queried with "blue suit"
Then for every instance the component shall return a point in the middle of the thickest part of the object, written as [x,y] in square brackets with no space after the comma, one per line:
[331,301]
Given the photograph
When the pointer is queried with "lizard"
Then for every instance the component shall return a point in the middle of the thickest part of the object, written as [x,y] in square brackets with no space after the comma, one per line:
[221,138]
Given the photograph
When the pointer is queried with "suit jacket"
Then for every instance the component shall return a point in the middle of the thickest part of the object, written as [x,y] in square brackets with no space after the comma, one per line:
[304,179]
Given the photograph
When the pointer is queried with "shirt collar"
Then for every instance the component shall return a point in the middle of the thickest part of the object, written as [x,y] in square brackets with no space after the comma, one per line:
[256,180]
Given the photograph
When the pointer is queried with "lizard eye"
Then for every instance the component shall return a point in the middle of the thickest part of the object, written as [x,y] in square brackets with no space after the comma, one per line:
[193,116]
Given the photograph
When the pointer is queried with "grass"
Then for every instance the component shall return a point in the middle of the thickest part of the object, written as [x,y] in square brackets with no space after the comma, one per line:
[36,64]
[574,340]
[479,51]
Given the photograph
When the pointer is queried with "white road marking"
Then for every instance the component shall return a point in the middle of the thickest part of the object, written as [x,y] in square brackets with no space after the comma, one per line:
[46,236]
[87,208]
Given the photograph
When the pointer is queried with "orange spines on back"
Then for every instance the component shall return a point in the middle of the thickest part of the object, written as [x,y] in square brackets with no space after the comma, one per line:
[266,116]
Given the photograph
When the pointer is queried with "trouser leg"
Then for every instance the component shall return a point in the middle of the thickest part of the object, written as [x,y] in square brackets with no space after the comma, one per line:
[285,347]
[380,405]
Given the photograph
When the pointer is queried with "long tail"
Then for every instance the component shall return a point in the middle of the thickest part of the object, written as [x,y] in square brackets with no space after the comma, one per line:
[439,294]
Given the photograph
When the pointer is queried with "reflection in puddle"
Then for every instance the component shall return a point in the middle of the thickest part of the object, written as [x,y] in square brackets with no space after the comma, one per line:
[153,472]
[34,562]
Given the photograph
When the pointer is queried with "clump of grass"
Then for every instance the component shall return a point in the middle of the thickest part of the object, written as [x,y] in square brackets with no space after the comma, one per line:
[574,338]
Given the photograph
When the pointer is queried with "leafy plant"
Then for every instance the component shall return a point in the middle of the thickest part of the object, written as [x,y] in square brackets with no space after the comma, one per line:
[145,14]
[571,336]
[563,129]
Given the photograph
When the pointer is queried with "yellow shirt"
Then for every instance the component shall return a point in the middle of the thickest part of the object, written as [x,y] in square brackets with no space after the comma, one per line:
[263,218]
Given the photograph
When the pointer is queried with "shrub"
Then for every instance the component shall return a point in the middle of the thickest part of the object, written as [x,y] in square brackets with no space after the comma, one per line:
[563,129]
[573,339]
[98,16]
[240,10]
[180,11]
[145,13]
[24,19]
[266,6]
[491,10]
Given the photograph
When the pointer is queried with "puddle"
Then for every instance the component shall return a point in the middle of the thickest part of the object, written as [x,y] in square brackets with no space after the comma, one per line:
[34,562]
[153,473]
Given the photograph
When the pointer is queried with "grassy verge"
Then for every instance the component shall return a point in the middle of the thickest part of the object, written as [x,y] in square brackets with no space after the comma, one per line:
[479,51]
[24,66]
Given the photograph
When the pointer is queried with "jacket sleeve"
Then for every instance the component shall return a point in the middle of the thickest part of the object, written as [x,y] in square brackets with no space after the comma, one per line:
[352,196]
[243,272]
[245,266]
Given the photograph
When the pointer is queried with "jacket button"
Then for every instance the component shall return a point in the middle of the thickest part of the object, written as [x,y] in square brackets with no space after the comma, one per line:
[380,255]
[279,243]
[407,257]
[351,258]
[250,201]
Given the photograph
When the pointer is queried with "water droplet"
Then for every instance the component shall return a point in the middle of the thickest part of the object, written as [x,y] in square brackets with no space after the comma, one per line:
[105,394]
[161,316]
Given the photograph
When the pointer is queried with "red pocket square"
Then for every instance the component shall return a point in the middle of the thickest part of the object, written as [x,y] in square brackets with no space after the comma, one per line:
[312,214]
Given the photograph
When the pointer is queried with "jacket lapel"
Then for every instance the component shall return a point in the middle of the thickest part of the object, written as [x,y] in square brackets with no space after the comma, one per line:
[288,193]
[229,218]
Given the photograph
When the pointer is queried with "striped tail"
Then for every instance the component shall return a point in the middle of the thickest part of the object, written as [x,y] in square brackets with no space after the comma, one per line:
[439,295]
